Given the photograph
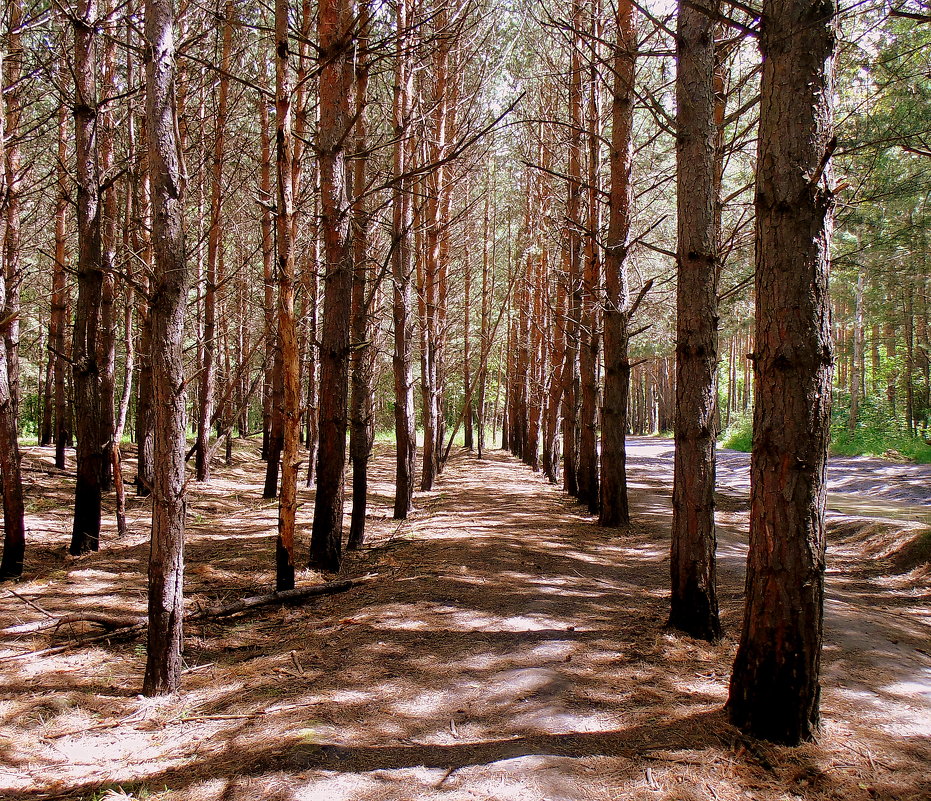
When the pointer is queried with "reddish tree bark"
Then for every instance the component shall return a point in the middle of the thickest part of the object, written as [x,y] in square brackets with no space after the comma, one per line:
[774,691]
[287,329]
[336,19]
[614,509]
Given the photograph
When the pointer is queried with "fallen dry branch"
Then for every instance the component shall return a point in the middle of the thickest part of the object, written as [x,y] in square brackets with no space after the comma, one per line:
[274,598]
[297,595]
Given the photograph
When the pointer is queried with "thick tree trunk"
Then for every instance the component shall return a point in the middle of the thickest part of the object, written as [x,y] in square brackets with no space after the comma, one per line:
[775,690]
[694,602]
[337,107]
[614,510]
[170,286]
[87,375]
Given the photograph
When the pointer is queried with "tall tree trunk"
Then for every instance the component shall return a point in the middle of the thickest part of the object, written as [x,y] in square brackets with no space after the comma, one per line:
[58,320]
[361,411]
[170,286]
[106,345]
[401,269]
[614,509]
[481,403]
[468,414]
[87,401]
[774,691]
[337,107]
[287,328]
[11,203]
[590,339]
[268,274]
[694,602]
[208,366]
[571,378]
[14,521]
[856,365]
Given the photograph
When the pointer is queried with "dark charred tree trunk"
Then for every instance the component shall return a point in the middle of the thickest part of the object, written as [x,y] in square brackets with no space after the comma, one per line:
[774,691]
[614,510]
[170,286]
[694,602]
[87,374]
[337,108]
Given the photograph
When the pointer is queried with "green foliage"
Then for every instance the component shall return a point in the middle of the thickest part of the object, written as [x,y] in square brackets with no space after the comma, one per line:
[877,432]
[738,436]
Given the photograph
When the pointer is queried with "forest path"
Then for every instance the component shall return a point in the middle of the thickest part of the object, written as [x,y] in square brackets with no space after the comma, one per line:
[508,649]
[877,610]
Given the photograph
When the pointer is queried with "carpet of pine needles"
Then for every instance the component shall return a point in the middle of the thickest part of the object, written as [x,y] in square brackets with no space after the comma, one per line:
[508,648]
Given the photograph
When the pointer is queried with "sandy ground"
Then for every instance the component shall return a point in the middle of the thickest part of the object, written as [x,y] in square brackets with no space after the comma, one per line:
[507,648]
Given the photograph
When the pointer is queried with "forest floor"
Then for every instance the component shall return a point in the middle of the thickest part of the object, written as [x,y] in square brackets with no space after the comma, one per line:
[506,648]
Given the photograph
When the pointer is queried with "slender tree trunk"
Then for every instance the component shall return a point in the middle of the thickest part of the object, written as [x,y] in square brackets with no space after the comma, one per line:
[362,431]
[590,340]
[694,602]
[468,414]
[287,328]
[87,391]
[268,278]
[571,378]
[14,520]
[856,371]
[171,279]
[614,509]
[57,323]
[401,270]
[106,355]
[337,107]
[208,366]
[11,203]
[774,691]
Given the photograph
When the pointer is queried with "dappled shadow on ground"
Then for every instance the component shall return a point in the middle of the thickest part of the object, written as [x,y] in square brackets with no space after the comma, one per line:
[507,649]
